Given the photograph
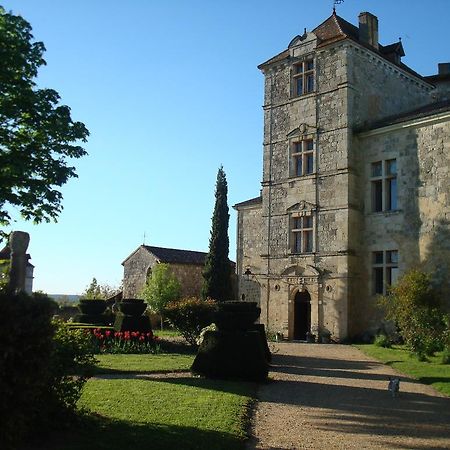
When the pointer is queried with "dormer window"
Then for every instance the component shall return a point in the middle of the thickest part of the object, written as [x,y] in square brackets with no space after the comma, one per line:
[303,78]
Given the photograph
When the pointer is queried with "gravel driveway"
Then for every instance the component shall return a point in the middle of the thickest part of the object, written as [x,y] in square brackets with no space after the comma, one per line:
[334,397]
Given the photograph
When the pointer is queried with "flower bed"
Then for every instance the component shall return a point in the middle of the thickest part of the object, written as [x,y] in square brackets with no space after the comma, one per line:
[109,341]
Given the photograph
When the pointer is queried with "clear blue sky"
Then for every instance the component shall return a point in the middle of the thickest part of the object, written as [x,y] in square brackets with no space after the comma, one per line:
[169,90]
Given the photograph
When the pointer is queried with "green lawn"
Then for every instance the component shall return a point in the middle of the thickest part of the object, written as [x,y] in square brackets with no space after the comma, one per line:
[433,372]
[165,413]
[143,363]
[166,333]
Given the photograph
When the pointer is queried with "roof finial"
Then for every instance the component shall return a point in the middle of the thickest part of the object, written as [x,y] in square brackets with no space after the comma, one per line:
[336,2]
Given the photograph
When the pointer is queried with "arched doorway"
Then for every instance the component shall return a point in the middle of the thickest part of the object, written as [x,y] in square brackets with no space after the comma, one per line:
[302,315]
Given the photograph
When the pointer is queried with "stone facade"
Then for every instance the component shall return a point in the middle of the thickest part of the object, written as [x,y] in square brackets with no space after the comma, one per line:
[355,181]
[186,265]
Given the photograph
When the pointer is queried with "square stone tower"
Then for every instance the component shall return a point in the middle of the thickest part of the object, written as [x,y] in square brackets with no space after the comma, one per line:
[302,250]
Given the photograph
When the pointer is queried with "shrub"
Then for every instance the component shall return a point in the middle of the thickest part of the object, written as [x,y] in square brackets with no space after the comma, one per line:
[26,342]
[190,315]
[382,340]
[37,361]
[413,305]
[71,364]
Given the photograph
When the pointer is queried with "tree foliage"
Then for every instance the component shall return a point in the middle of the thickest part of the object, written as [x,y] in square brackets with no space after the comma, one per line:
[162,288]
[217,272]
[96,291]
[37,135]
[412,303]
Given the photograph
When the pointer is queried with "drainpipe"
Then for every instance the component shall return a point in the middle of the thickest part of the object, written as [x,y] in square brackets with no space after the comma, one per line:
[269,195]
[316,229]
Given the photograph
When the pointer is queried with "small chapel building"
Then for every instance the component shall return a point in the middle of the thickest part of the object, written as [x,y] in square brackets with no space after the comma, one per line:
[186,265]
[355,184]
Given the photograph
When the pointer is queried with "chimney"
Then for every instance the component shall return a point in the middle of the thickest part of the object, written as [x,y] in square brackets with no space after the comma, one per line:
[444,68]
[368,29]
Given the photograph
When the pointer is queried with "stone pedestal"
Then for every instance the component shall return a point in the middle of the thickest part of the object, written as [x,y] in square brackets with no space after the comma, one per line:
[238,350]
[18,243]
[131,318]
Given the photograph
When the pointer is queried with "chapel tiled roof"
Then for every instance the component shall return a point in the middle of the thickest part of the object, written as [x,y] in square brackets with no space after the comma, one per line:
[173,255]
[252,201]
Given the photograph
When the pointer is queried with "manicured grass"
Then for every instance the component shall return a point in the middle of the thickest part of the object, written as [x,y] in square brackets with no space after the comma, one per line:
[433,372]
[143,363]
[178,412]
[166,333]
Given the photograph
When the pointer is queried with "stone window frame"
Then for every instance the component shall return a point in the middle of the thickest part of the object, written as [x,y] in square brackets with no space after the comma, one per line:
[383,185]
[302,75]
[385,270]
[300,152]
[297,235]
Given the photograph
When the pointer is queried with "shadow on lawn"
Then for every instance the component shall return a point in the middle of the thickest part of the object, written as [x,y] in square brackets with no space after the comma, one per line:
[99,433]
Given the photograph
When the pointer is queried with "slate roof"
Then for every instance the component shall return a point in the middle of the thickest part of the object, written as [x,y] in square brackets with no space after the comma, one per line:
[252,201]
[173,255]
[423,111]
[335,29]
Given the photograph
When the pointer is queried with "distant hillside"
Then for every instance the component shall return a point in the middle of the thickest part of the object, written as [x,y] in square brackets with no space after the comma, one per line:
[60,298]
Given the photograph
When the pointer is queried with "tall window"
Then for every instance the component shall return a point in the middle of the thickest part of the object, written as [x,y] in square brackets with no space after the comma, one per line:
[302,158]
[384,185]
[384,270]
[303,78]
[301,234]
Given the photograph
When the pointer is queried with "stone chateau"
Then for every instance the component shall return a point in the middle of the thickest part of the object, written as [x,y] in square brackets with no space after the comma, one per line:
[355,185]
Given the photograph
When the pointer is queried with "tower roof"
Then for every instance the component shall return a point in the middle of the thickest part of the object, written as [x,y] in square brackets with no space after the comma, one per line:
[335,29]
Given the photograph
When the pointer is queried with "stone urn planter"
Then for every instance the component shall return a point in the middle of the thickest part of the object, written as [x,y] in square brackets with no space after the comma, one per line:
[131,316]
[92,307]
[92,312]
[236,315]
[133,307]
[237,350]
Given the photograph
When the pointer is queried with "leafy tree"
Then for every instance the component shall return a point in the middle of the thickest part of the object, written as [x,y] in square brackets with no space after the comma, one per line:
[96,291]
[412,303]
[162,288]
[37,136]
[217,272]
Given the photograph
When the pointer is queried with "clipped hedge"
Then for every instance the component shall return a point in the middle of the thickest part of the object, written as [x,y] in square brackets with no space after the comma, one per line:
[37,361]
[26,343]
[190,315]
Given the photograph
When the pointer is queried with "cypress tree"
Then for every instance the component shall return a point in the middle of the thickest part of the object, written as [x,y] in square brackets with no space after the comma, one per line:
[217,272]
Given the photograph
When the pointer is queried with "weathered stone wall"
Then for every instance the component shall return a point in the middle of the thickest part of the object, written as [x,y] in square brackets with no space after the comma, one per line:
[380,89]
[190,278]
[135,271]
[249,251]
[420,227]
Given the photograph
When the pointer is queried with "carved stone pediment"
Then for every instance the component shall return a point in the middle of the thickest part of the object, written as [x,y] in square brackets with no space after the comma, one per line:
[302,206]
[302,130]
[303,273]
